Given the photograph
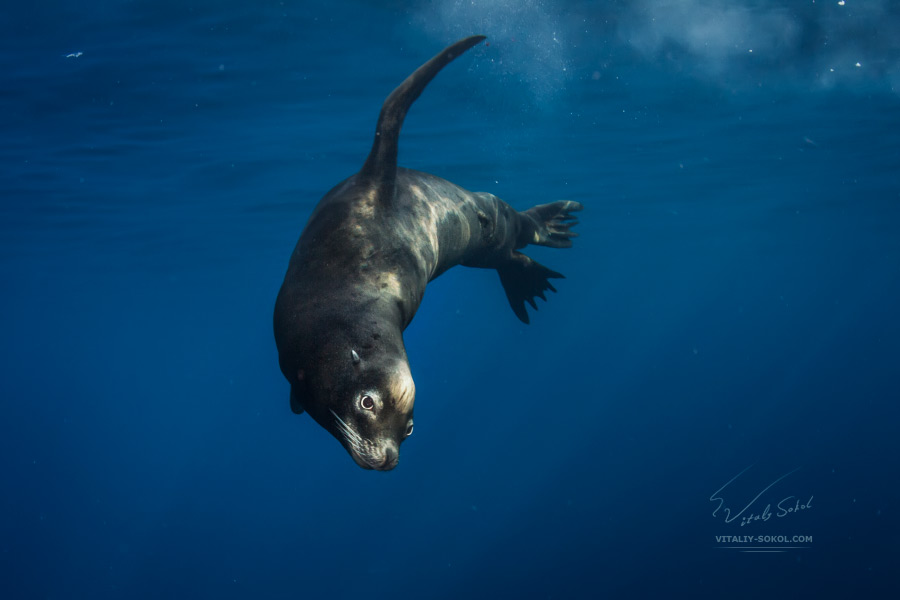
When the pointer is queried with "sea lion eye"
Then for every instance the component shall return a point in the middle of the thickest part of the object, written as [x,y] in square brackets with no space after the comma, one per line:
[409,429]
[367,403]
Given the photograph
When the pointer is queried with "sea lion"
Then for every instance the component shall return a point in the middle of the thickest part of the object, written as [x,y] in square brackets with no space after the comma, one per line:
[359,271]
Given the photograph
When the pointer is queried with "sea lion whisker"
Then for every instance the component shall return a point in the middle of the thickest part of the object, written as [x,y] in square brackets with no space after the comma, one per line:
[352,438]
[344,426]
[348,435]
[355,444]
[361,446]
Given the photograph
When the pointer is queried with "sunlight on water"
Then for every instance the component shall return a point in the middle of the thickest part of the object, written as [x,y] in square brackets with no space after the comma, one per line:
[816,44]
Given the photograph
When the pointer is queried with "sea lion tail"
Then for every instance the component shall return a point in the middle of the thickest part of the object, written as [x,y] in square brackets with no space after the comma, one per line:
[524,280]
[381,165]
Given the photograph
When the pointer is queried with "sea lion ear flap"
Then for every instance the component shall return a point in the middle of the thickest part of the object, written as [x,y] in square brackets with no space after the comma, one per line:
[296,407]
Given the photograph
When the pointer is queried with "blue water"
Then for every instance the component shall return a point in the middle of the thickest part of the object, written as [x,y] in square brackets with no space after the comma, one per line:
[731,302]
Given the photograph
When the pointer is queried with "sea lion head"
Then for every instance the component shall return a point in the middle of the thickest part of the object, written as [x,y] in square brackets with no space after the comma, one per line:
[363,395]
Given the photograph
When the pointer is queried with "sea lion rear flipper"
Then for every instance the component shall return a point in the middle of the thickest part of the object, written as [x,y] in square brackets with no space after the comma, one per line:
[380,168]
[553,223]
[523,280]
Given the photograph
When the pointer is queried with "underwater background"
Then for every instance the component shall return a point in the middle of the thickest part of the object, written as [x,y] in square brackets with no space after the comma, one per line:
[729,314]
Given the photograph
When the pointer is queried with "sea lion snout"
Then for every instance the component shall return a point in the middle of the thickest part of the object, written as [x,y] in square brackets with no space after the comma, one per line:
[391,458]
[384,459]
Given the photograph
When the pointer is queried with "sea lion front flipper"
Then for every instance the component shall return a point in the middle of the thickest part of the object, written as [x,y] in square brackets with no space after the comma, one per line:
[296,407]
[380,168]
[524,280]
